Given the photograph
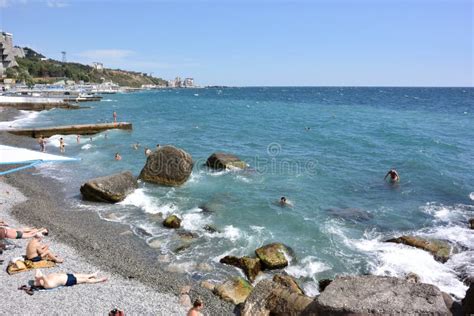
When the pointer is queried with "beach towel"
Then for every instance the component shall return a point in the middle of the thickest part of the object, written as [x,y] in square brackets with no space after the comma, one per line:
[26,265]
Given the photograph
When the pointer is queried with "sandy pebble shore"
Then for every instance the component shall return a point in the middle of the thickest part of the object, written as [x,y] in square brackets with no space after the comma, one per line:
[138,284]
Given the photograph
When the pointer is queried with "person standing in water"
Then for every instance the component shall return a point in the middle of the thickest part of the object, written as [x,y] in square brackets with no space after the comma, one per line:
[78,139]
[61,145]
[394,177]
[115,117]
[42,142]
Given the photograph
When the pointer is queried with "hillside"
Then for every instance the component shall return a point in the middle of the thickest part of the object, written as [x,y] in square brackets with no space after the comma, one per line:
[33,69]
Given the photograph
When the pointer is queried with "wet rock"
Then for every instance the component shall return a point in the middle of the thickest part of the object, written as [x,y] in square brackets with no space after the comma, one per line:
[181,248]
[172,221]
[350,214]
[471,223]
[156,244]
[211,229]
[375,295]
[186,235]
[167,165]
[323,284]
[468,301]
[205,208]
[141,232]
[250,266]
[270,298]
[288,282]
[111,216]
[272,256]
[441,250]
[225,161]
[109,189]
[204,267]
[235,290]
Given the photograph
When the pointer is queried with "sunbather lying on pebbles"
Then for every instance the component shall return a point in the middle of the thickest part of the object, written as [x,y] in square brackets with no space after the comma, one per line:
[53,280]
[12,233]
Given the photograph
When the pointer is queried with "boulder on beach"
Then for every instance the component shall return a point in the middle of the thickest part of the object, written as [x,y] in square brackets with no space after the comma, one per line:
[376,295]
[225,161]
[288,282]
[271,298]
[172,221]
[441,250]
[273,256]
[167,165]
[250,266]
[235,290]
[110,189]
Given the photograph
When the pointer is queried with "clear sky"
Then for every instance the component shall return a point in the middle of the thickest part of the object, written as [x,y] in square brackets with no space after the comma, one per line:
[293,43]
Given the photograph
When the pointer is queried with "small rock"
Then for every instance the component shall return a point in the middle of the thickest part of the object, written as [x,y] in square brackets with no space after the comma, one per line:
[235,290]
[172,221]
[181,248]
[186,235]
[155,244]
[204,267]
[208,285]
[288,282]
[111,216]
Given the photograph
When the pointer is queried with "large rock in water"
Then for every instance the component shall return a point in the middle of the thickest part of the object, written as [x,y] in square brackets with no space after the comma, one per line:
[225,161]
[273,256]
[234,291]
[375,295]
[167,165]
[468,301]
[250,266]
[172,221]
[270,298]
[441,250]
[110,189]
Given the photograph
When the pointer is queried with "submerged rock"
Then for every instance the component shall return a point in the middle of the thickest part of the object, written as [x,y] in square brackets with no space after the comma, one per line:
[441,250]
[186,235]
[225,161]
[250,266]
[375,295]
[270,298]
[288,282]
[235,290]
[167,165]
[273,256]
[211,229]
[110,189]
[350,214]
[172,221]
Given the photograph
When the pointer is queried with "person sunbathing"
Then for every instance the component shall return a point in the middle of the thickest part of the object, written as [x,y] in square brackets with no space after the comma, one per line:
[54,280]
[37,251]
[7,232]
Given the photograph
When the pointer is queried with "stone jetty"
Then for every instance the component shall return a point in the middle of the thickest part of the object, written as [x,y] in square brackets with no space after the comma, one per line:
[85,129]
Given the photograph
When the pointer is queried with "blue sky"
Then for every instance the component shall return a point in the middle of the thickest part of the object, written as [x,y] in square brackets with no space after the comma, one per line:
[293,43]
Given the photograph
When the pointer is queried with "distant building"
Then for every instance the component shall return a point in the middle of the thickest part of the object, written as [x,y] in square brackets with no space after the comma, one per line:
[7,52]
[98,66]
[189,82]
[177,82]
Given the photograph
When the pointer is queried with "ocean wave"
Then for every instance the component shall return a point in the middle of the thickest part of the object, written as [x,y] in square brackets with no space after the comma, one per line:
[308,267]
[194,220]
[471,196]
[148,203]
[25,118]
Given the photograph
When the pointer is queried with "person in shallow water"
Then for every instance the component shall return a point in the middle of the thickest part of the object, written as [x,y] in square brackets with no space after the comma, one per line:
[394,177]
[53,280]
[283,201]
[198,305]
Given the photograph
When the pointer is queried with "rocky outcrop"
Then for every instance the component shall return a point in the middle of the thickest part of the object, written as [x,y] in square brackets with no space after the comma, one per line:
[323,284]
[250,266]
[288,282]
[273,256]
[85,129]
[172,221]
[234,291]
[441,250]
[110,189]
[270,298]
[375,295]
[167,165]
[468,301]
[225,161]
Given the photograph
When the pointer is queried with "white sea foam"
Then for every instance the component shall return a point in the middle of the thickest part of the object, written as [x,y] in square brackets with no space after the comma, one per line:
[307,267]
[390,259]
[471,196]
[194,219]
[311,288]
[230,232]
[148,203]
[25,118]
[87,146]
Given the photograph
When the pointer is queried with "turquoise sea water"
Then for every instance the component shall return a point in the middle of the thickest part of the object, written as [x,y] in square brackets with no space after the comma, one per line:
[325,149]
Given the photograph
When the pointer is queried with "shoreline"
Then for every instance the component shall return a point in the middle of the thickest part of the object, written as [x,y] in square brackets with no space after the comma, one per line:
[109,245]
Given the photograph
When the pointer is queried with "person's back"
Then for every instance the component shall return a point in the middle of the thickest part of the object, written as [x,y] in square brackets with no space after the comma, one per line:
[32,248]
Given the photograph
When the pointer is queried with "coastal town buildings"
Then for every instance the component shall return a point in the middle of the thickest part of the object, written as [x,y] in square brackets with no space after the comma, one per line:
[7,52]
[98,66]
[189,82]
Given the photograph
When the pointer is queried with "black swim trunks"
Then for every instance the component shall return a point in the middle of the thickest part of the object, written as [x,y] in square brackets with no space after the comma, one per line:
[71,280]
[36,259]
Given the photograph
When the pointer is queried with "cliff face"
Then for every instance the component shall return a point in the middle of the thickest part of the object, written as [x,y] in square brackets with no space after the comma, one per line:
[33,68]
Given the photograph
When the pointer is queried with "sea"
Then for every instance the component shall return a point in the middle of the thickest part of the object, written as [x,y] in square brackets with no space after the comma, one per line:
[326,149]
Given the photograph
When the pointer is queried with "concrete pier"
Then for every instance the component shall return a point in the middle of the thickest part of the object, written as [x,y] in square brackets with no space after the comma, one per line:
[34,103]
[85,129]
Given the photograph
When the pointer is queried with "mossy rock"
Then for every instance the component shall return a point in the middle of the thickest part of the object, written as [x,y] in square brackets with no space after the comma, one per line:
[235,290]
[172,221]
[273,256]
[441,250]
[250,266]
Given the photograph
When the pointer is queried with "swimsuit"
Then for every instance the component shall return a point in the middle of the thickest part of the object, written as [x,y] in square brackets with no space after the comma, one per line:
[71,280]
[36,259]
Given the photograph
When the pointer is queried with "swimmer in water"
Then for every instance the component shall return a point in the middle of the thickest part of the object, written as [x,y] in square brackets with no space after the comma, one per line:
[117,156]
[394,177]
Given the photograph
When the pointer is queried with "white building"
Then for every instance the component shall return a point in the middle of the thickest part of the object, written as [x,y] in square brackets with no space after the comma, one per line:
[98,66]
[189,82]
